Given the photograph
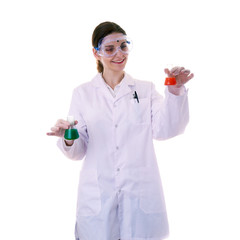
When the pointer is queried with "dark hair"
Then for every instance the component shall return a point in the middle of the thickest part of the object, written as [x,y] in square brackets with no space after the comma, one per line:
[101,31]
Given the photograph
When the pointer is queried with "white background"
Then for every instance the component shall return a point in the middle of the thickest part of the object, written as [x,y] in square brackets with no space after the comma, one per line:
[45,52]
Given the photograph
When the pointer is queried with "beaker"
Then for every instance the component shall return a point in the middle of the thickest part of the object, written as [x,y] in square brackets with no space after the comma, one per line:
[71,133]
[170,80]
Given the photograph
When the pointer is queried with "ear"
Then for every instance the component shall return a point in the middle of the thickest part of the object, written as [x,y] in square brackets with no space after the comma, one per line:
[95,53]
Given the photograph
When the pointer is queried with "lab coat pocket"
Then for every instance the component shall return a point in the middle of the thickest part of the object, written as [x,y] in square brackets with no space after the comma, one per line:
[140,111]
[89,200]
[151,195]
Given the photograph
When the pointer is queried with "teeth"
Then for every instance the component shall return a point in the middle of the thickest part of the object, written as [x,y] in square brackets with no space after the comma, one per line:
[119,61]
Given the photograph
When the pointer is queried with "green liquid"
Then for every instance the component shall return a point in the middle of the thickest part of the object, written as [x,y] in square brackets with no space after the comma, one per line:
[71,134]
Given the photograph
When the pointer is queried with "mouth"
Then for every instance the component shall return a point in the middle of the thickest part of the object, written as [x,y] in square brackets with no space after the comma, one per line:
[119,62]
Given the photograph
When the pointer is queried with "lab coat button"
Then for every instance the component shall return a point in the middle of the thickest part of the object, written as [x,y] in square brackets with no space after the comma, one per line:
[116,125]
[117,148]
[118,169]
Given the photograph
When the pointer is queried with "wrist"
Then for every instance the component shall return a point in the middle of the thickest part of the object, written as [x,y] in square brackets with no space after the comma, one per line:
[175,89]
[69,143]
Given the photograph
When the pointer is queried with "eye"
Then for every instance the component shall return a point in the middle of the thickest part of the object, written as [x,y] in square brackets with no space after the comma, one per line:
[109,49]
[124,46]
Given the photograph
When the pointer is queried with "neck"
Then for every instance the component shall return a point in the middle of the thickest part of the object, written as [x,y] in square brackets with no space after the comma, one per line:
[113,78]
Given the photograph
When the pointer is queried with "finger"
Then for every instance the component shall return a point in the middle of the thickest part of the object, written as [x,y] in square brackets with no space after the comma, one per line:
[55,129]
[75,122]
[176,70]
[185,71]
[61,121]
[166,70]
[190,76]
[63,125]
[51,134]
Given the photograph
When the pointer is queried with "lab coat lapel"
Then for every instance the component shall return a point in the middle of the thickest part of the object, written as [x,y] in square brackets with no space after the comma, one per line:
[98,82]
[126,88]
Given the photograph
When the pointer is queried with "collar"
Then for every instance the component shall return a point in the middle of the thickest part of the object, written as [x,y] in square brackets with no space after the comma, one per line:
[99,82]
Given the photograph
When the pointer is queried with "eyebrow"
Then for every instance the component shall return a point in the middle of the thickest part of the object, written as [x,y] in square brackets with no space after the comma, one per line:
[109,46]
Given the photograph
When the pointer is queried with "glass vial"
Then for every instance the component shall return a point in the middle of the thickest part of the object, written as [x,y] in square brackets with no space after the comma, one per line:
[71,133]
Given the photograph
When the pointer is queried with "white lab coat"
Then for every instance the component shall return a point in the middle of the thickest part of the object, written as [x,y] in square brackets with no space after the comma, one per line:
[120,194]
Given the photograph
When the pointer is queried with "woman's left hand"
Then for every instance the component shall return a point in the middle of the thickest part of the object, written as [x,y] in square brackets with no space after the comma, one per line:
[181,74]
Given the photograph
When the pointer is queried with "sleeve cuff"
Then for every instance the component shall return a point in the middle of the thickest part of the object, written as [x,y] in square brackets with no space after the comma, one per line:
[182,91]
[64,146]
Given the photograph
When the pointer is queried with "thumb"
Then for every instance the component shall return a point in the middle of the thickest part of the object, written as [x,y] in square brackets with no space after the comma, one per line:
[166,70]
[75,122]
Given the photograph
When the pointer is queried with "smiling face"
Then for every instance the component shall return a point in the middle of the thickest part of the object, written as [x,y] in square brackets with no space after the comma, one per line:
[115,52]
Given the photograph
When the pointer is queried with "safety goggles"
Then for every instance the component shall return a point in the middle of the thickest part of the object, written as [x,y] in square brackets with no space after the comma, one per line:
[108,47]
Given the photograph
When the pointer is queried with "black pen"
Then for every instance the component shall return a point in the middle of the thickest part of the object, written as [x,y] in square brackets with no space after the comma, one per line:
[135,96]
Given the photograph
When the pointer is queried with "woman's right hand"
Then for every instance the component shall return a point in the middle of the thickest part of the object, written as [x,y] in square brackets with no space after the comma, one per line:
[59,128]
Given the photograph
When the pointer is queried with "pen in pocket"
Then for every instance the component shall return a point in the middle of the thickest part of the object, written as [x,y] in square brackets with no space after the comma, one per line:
[135,96]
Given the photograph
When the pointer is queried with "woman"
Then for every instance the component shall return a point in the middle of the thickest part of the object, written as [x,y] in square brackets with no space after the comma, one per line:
[120,194]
